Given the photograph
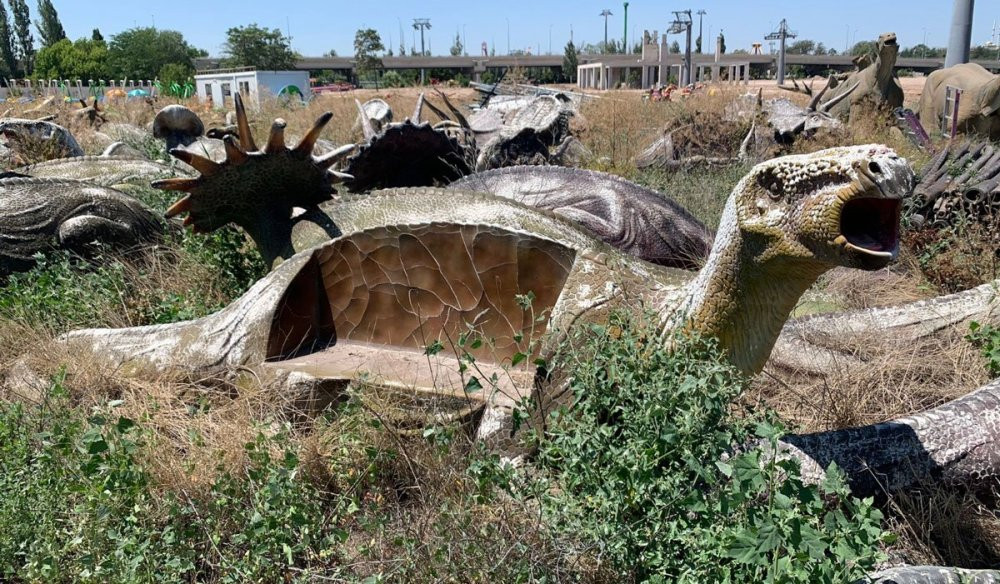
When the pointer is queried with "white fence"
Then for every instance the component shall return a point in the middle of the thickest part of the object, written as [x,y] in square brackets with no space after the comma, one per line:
[75,89]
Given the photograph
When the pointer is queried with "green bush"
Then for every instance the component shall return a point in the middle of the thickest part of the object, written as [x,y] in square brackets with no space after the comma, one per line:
[642,475]
[392,79]
[77,505]
[987,338]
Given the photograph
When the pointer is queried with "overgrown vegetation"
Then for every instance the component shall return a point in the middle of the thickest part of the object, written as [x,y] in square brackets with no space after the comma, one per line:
[627,489]
[643,475]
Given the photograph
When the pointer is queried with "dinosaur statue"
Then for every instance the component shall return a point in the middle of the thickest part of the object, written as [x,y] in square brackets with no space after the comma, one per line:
[528,134]
[933,575]
[37,214]
[978,107]
[876,82]
[178,126]
[379,277]
[107,171]
[26,140]
[631,218]
[789,120]
[412,152]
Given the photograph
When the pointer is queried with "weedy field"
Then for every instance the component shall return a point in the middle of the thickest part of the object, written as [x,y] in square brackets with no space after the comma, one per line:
[105,478]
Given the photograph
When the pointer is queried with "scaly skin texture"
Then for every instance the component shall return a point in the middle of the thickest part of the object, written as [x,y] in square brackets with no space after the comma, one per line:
[876,81]
[933,575]
[99,170]
[631,218]
[37,214]
[17,133]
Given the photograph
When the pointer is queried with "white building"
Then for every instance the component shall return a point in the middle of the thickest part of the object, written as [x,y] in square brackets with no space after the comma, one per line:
[219,85]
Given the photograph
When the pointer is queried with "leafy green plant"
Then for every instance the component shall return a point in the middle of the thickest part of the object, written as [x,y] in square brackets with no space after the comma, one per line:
[987,338]
[642,476]
[96,516]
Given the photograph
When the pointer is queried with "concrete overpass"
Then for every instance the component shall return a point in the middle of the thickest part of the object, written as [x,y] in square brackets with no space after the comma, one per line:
[472,65]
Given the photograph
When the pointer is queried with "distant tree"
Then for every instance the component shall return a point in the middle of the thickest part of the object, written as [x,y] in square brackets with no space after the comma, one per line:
[22,28]
[697,45]
[570,62]
[637,48]
[96,35]
[50,30]
[140,53]
[7,54]
[923,51]
[864,48]
[175,73]
[456,47]
[803,47]
[253,46]
[331,53]
[821,49]
[984,52]
[722,43]
[83,59]
[367,46]
[675,47]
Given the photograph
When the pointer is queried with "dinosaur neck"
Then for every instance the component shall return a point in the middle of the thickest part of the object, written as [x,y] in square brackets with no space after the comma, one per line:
[883,69]
[742,298]
[271,232]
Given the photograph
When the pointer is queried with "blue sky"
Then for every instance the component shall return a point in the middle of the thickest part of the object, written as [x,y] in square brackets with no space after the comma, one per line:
[318,26]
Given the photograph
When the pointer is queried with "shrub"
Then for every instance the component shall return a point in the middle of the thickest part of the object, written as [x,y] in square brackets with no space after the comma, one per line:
[392,79]
[987,338]
[642,475]
[95,515]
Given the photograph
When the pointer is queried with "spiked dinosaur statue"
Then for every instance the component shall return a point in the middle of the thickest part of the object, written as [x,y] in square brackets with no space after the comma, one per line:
[411,152]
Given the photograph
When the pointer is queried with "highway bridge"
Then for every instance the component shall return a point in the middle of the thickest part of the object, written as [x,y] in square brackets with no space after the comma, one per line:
[471,65]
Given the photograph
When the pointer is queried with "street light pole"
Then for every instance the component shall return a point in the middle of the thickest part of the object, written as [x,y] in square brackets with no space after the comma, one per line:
[625,34]
[422,24]
[508,36]
[606,13]
[701,14]
[550,39]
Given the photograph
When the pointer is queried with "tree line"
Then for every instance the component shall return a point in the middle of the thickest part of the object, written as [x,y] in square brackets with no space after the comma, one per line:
[136,53]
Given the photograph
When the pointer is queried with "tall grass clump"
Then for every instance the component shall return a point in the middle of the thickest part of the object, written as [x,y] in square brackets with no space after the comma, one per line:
[643,475]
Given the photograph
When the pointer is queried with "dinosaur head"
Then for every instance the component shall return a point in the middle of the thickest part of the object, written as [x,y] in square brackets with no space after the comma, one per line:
[835,207]
[256,189]
[888,47]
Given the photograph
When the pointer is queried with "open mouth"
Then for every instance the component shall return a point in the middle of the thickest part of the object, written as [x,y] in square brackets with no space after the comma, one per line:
[870,227]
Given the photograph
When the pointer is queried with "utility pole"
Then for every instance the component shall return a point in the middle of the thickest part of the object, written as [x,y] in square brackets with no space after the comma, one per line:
[606,13]
[682,23]
[701,14]
[781,35]
[625,34]
[960,39]
[422,24]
